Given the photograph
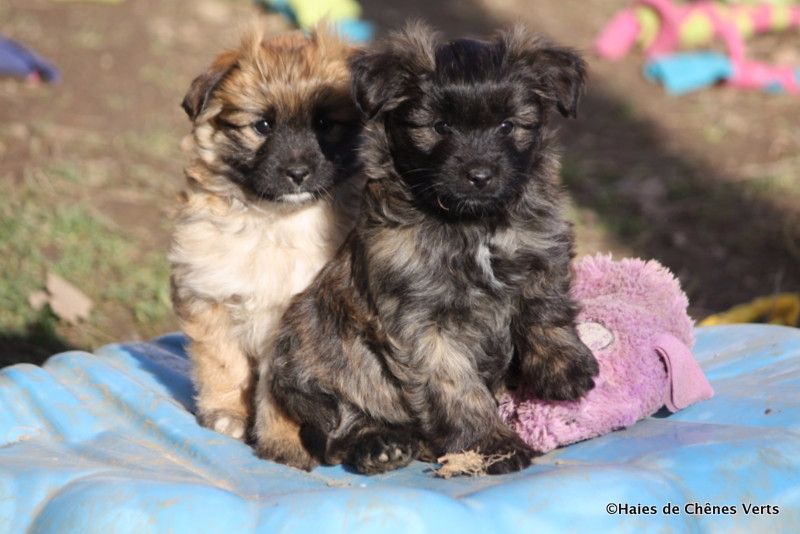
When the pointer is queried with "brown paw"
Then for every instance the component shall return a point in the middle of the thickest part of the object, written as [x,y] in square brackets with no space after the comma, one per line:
[225,422]
[379,452]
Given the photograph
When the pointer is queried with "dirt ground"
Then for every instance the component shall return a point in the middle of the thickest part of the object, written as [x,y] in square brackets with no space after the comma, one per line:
[90,168]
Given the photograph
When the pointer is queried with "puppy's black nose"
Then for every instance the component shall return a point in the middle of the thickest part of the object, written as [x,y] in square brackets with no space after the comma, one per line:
[298,173]
[480,176]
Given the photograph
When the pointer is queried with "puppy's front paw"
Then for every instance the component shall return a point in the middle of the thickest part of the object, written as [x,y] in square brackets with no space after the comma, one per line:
[507,456]
[225,422]
[378,452]
[562,371]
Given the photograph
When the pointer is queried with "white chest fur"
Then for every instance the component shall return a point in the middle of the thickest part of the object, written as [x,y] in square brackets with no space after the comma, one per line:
[252,260]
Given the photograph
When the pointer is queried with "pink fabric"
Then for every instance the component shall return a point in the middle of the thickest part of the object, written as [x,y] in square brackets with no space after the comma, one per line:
[619,36]
[641,370]
[762,17]
[622,32]
[687,383]
[668,38]
[672,18]
[727,30]
[756,75]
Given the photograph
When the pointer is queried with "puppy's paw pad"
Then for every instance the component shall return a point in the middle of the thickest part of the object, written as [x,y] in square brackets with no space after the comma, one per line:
[378,453]
[225,422]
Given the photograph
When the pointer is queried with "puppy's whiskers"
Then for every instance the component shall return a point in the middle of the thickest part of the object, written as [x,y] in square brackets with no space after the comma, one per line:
[424,189]
[420,169]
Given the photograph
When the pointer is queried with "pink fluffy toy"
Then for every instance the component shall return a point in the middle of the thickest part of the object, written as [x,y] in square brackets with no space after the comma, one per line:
[634,319]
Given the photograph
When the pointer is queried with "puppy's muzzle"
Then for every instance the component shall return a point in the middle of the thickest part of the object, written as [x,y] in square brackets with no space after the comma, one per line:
[298,173]
[480,175]
[300,156]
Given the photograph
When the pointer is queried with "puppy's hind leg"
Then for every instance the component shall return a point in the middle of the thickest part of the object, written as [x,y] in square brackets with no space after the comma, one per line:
[277,437]
[332,431]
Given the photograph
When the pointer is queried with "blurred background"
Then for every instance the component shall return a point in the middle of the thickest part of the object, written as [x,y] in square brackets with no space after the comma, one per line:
[90,167]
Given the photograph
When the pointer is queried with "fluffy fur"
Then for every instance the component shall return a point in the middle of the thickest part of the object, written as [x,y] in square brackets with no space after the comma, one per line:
[272,192]
[643,347]
[455,280]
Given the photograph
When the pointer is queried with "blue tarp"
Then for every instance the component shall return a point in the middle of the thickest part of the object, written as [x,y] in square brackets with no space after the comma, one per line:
[106,443]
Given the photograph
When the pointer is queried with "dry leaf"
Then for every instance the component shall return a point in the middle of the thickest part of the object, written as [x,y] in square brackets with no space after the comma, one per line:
[67,302]
[38,300]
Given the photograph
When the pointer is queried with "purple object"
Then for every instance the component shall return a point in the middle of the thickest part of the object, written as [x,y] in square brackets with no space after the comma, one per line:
[634,319]
[16,60]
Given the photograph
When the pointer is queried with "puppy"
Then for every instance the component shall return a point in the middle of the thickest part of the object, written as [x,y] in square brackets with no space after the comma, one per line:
[455,281]
[273,189]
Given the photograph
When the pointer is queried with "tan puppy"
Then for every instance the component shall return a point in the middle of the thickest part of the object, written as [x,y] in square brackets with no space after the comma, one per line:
[273,190]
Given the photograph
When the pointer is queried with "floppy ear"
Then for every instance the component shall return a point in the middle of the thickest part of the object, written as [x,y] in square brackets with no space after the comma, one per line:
[377,81]
[381,76]
[201,88]
[565,71]
[557,73]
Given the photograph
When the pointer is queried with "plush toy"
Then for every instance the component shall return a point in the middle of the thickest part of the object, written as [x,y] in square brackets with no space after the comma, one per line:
[662,27]
[634,319]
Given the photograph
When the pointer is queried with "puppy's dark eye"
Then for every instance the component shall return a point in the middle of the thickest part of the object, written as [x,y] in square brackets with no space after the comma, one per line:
[505,128]
[441,127]
[324,124]
[262,126]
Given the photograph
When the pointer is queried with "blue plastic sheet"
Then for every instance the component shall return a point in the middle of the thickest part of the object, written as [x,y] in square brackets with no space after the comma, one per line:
[106,442]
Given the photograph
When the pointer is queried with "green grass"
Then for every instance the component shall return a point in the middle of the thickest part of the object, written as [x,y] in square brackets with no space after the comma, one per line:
[38,234]
[618,218]
[88,38]
[66,171]
[160,77]
[156,143]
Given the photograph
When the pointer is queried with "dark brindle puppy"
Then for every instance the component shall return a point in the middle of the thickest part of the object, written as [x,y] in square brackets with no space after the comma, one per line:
[455,281]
